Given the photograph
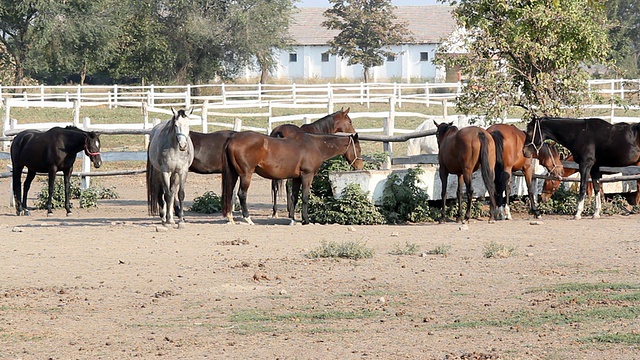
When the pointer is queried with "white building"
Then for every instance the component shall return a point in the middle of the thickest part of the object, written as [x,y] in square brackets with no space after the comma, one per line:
[309,58]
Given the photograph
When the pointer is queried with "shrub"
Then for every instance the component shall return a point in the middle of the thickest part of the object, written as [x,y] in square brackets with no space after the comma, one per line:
[403,200]
[495,250]
[406,249]
[440,250]
[347,250]
[88,197]
[208,203]
[352,208]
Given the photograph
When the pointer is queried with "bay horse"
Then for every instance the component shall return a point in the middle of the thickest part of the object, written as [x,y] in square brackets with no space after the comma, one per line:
[338,122]
[49,152]
[297,157]
[461,152]
[509,142]
[169,156]
[592,142]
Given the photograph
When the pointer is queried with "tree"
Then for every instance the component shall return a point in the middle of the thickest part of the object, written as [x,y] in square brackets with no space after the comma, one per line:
[77,37]
[260,28]
[527,53]
[368,29]
[625,35]
[17,34]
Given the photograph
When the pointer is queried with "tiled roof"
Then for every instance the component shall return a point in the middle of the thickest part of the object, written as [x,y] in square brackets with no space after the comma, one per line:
[429,24]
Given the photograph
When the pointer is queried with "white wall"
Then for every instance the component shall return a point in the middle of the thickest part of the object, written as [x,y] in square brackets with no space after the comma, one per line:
[309,65]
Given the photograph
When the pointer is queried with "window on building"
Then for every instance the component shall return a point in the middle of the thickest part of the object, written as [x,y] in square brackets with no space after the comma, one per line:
[325,57]
[424,56]
[293,57]
[391,58]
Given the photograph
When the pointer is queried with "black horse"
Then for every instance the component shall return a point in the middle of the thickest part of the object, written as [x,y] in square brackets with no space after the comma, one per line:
[593,143]
[49,152]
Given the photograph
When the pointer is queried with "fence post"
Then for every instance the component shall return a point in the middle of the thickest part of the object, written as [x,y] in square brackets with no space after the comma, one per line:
[389,125]
[85,181]
[41,93]
[78,93]
[426,93]
[152,95]
[76,113]
[146,124]
[444,109]
[6,122]
[237,124]
[260,94]
[223,92]
[187,97]
[293,93]
[205,116]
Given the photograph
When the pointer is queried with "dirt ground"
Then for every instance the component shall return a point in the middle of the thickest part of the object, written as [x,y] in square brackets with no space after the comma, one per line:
[111,283]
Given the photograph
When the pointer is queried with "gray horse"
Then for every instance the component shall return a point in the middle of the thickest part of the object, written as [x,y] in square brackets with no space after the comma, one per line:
[169,156]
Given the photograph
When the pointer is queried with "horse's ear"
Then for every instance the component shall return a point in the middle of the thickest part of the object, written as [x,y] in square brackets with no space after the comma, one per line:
[173,110]
[451,123]
[190,111]
[355,136]
[435,123]
[346,111]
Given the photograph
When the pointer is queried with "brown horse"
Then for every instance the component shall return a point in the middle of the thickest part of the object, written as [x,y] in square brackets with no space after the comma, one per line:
[338,122]
[551,186]
[296,157]
[509,142]
[461,152]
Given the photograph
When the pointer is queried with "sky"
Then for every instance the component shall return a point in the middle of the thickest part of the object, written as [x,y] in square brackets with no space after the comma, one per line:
[325,3]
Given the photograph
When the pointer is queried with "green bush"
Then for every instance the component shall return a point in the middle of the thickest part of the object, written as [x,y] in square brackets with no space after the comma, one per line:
[403,200]
[352,208]
[346,250]
[88,197]
[208,203]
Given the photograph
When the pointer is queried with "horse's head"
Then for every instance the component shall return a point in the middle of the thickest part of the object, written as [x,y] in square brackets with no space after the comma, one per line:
[353,154]
[534,139]
[180,121]
[442,128]
[549,157]
[92,148]
[342,122]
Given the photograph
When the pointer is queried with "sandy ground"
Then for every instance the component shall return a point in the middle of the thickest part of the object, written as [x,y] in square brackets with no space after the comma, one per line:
[110,283]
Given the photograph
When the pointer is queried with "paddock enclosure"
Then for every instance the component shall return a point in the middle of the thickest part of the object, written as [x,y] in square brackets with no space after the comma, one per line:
[107,284]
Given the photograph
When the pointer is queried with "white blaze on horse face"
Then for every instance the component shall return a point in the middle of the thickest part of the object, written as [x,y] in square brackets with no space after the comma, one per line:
[182,131]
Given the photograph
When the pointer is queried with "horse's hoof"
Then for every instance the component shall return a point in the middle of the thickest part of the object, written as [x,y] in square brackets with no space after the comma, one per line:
[293,222]
[49,214]
[181,225]
[69,214]
[577,217]
[248,220]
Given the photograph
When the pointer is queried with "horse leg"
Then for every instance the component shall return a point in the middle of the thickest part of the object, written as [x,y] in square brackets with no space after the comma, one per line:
[528,179]
[306,189]
[585,169]
[292,198]
[245,181]
[444,177]
[170,196]
[274,195]
[459,218]
[595,180]
[467,181]
[21,205]
[180,213]
[507,191]
[67,190]
[163,199]
[52,179]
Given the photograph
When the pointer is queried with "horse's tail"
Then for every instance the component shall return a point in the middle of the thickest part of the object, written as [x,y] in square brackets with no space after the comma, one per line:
[229,177]
[153,189]
[488,169]
[500,177]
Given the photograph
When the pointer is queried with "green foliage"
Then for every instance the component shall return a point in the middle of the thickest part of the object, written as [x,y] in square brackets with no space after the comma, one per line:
[403,200]
[565,202]
[368,28]
[88,197]
[498,251]
[208,203]
[352,208]
[443,250]
[406,249]
[476,209]
[531,56]
[347,250]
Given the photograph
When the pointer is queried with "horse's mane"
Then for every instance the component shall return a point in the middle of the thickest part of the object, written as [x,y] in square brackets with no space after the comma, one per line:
[322,125]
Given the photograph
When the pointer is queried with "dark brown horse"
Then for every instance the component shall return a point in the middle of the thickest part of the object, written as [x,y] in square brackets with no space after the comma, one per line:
[296,157]
[551,186]
[208,149]
[338,122]
[592,142]
[461,152]
[509,142]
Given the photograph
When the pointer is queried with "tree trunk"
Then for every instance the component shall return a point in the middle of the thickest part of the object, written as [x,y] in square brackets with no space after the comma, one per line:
[366,74]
